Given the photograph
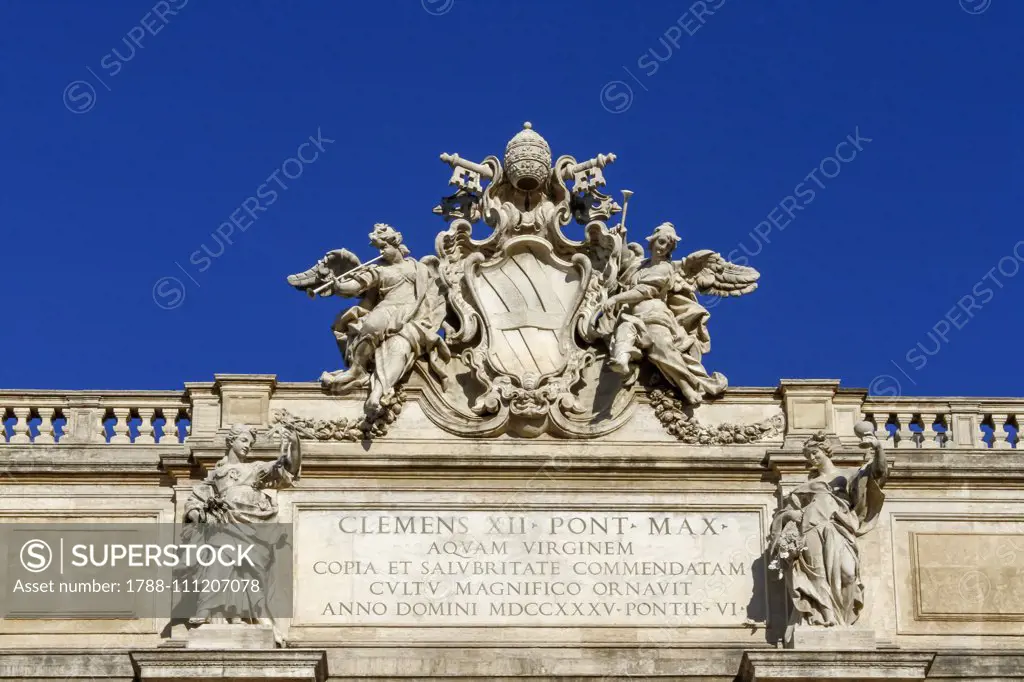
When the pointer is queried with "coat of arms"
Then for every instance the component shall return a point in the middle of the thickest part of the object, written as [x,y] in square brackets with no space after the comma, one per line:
[526,330]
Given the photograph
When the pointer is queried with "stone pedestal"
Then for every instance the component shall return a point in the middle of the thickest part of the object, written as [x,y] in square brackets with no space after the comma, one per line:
[847,666]
[832,639]
[217,636]
[167,665]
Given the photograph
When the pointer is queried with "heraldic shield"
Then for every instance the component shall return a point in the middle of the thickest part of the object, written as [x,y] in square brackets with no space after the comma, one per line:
[528,299]
[525,331]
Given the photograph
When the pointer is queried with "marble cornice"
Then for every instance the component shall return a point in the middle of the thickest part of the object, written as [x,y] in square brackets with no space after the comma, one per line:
[923,468]
[560,459]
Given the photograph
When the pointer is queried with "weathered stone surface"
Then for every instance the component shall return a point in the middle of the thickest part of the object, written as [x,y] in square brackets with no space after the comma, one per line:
[973,576]
[222,636]
[835,638]
[56,666]
[191,664]
[813,666]
[959,569]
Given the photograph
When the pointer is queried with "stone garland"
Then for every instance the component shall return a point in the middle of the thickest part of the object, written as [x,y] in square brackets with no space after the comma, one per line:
[670,412]
[344,429]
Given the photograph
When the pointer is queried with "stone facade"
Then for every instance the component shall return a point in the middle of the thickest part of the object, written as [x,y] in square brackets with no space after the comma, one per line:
[942,568]
[525,470]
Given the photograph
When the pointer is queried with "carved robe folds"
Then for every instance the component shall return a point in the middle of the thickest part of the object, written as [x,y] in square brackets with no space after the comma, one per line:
[674,339]
[399,316]
[815,534]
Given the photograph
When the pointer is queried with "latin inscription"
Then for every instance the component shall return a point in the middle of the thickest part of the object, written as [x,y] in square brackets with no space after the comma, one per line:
[670,569]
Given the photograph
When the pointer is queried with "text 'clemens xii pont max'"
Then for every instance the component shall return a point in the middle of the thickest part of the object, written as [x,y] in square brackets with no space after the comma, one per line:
[533,568]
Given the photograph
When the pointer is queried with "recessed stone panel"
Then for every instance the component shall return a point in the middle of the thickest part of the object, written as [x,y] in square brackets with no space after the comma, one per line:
[809,415]
[969,576]
[244,410]
[959,575]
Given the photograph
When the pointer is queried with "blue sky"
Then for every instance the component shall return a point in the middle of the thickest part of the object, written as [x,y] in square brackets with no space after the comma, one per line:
[133,129]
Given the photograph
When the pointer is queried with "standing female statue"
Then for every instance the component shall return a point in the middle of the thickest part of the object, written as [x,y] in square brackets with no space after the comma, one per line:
[235,491]
[656,312]
[225,509]
[814,535]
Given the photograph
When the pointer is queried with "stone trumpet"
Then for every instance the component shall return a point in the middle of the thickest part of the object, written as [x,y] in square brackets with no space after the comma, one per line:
[336,279]
[626,194]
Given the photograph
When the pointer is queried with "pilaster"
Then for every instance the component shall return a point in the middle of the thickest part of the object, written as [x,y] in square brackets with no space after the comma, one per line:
[244,398]
[809,407]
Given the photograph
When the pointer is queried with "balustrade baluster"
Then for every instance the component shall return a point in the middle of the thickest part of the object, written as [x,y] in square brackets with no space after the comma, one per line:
[1000,436]
[146,430]
[987,439]
[21,428]
[905,437]
[102,426]
[930,437]
[46,417]
[880,420]
[170,434]
[122,432]
[942,438]
[188,424]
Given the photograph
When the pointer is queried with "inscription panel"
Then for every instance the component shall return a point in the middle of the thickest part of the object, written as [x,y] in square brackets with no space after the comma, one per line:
[533,568]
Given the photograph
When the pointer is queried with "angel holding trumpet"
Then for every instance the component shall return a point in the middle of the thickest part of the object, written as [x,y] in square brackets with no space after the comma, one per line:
[395,322]
[655,311]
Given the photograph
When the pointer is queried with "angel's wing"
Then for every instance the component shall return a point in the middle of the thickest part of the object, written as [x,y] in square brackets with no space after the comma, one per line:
[636,252]
[433,264]
[334,264]
[713,275]
[632,255]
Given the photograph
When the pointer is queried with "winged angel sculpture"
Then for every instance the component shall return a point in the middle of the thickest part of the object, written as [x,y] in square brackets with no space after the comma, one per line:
[518,320]
[656,313]
[395,322]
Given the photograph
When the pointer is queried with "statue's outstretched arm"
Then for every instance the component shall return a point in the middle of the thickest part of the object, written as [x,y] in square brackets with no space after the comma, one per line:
[879,467]
[291,453]
[876,466]
[634,294]
[348,287]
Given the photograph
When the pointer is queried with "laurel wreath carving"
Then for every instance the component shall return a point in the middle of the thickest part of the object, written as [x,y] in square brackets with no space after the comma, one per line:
[671,414]
[344,429]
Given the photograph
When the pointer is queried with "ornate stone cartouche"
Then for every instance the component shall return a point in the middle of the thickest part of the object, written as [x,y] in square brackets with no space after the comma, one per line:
[525,330]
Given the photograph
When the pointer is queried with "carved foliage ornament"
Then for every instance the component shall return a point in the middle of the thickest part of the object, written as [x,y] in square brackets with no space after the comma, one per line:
[343,429]
[670,411]
[525,329]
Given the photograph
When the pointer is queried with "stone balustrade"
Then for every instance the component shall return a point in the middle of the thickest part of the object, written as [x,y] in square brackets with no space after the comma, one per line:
[142,417]
[94,417]
[930,423]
